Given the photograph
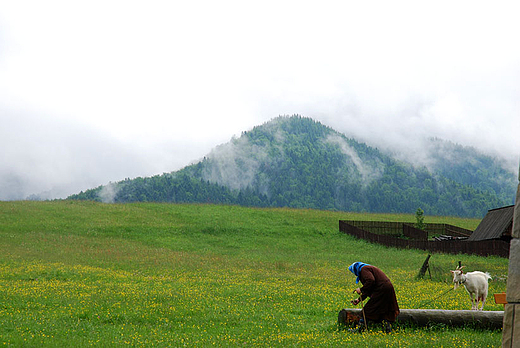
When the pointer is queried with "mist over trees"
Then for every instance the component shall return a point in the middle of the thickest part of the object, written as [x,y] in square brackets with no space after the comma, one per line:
[300,163]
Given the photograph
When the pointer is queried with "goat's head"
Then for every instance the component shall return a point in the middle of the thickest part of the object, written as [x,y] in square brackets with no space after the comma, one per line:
[457,277]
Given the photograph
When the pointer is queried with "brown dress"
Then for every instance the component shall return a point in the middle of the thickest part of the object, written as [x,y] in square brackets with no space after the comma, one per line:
[382,303]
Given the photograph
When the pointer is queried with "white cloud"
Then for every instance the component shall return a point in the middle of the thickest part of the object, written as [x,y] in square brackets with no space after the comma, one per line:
[235,164]
[166,81]
[368,172]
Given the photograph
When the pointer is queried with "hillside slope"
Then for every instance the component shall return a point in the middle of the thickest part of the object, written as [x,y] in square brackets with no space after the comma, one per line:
[298,162]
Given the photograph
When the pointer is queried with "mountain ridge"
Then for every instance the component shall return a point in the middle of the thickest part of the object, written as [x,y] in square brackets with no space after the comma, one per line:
[294,161]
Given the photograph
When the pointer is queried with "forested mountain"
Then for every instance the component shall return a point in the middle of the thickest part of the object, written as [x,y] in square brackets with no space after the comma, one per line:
[466,165]
[298,162]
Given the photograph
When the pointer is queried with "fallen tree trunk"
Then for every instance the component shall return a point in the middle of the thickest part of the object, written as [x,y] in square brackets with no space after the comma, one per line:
[425,317]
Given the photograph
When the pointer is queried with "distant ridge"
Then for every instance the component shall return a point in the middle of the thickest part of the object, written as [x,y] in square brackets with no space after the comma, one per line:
[294,161]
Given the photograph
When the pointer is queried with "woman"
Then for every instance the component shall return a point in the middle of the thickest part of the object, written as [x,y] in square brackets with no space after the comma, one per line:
[382,305]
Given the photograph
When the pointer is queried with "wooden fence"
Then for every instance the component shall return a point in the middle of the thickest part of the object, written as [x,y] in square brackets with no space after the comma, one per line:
[389,233]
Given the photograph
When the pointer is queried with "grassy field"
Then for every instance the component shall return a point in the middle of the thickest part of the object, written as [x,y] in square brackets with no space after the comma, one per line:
[163,275]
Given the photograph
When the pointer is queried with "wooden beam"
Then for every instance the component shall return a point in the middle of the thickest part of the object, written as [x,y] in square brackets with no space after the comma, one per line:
[425,317]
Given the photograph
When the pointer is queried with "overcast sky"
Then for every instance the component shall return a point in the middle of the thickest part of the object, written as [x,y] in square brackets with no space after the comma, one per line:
[98,91]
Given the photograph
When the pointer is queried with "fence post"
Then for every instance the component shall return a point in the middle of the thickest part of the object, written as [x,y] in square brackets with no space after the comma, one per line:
[425,266]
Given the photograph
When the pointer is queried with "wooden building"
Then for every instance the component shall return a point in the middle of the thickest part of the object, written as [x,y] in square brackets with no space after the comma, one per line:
[497,224]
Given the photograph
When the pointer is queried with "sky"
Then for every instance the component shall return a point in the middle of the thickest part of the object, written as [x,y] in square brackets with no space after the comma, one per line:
[93,92]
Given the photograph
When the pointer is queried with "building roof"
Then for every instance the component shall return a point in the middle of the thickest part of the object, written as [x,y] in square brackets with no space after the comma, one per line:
[496,224]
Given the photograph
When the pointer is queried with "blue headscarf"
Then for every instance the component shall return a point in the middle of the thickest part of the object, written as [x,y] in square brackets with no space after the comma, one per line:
[356,269]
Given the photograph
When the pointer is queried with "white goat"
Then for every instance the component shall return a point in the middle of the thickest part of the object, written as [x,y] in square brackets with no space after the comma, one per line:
[476,284]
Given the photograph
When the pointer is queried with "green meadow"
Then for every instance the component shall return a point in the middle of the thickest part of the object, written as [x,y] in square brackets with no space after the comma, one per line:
[81,274]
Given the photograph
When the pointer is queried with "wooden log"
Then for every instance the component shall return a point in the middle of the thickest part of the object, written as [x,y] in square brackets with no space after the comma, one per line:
[425,317]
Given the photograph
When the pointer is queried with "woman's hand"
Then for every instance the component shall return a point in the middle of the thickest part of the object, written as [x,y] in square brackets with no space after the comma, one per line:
[358,290]
[355,302]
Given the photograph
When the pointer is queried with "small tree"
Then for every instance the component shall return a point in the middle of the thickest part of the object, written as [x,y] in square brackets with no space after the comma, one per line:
[419,217]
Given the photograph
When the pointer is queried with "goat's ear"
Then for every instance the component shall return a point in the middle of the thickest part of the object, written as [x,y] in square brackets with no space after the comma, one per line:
[452,272]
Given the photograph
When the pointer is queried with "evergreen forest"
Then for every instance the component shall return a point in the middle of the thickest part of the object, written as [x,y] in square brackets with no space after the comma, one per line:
[296,162]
